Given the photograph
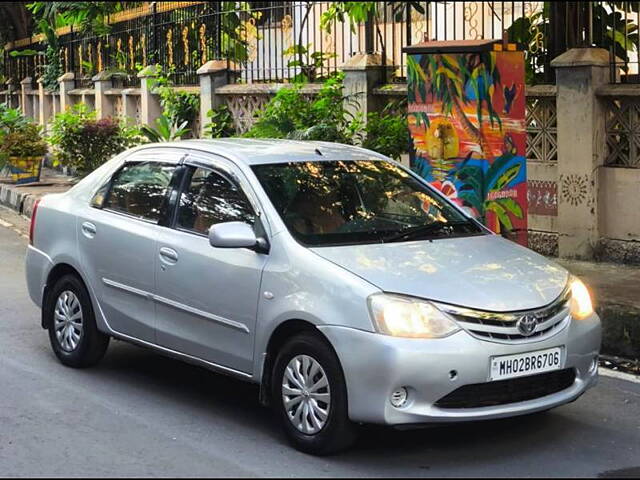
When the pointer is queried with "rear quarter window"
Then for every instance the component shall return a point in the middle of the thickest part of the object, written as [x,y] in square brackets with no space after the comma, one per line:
[137,189]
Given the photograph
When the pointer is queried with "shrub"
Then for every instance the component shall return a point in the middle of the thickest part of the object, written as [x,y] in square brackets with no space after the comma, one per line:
[289,114]
[387,134]
[11,118]
[12,123]
[220,123]
[164,131]
[84,143]
[24,141]
[178,106]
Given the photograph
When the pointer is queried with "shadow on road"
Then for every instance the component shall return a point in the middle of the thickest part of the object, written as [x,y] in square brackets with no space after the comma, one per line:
[211,396]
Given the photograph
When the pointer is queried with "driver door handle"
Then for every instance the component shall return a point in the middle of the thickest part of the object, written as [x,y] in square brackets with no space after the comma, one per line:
[89,229]
[168,255]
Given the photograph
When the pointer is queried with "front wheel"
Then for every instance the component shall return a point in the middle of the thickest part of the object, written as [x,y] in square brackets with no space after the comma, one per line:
[310,396]
[74,336]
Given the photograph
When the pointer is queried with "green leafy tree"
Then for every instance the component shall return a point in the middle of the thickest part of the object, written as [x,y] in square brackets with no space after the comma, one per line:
[87,17]
[235,29]
[611,28]
[309,68]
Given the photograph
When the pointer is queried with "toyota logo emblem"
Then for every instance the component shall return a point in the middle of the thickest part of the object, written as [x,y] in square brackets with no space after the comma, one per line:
[526,325]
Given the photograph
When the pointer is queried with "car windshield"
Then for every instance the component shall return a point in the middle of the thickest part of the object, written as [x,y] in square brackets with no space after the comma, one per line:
[359,201]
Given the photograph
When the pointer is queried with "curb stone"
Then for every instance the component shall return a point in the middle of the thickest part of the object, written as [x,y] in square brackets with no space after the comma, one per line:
[15,199]
[620,330]
[27,205]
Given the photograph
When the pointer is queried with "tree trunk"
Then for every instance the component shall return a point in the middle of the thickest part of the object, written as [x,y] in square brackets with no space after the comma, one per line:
[17,21]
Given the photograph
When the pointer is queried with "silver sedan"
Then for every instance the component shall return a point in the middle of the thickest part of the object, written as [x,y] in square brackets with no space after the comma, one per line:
[335,278]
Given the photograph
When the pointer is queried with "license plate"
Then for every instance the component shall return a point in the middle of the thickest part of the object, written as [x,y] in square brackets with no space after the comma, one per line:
[522,364]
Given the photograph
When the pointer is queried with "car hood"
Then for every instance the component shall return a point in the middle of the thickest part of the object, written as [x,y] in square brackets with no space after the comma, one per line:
[483,272]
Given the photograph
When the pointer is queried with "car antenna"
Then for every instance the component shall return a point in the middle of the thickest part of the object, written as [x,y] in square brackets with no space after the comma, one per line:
[318,152]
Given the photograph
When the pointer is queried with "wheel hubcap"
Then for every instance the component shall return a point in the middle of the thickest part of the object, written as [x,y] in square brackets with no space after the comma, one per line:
[305,394]
[68,321]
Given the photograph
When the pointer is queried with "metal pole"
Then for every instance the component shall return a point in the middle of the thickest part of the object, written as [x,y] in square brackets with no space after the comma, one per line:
[72,50]
[590,23]
[369,36]
[408,24]
[154,30]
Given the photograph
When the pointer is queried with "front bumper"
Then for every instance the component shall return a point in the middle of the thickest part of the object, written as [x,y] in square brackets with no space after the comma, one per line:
[375,365]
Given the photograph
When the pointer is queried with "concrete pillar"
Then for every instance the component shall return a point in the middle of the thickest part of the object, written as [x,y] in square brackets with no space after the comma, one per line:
[150,108]
[103,104]
[67,83]
[27,103]
[581,148]
[212,75]
[129,104]
[362,73]
[45,101]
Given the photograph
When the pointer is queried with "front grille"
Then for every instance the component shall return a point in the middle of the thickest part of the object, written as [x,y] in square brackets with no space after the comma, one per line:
[503,326]
[512,390]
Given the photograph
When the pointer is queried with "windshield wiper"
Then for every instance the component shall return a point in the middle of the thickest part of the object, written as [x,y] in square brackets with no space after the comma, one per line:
[446,228]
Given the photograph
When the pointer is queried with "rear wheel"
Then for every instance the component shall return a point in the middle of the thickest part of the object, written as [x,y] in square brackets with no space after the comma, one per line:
[310,396]
[74,336]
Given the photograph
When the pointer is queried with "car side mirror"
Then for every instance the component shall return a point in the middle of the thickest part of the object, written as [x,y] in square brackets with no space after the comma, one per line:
[236,235]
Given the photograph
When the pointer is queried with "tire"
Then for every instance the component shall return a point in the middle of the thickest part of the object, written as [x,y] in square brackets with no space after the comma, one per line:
[337,432]
[86,345]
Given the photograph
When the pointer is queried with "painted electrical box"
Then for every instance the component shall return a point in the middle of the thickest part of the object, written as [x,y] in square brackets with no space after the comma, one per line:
[466,114]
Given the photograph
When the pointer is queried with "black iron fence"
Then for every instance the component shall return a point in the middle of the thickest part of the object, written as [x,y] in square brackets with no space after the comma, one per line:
[283,41]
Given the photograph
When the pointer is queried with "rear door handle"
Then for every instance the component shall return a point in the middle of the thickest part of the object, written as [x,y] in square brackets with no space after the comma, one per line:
[89,229]
[168,255]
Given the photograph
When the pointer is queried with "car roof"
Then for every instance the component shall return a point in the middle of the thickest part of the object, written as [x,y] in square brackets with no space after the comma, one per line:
[261,151]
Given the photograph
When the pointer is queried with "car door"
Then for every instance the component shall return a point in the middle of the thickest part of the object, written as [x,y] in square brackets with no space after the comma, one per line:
[117,240]
[207,297]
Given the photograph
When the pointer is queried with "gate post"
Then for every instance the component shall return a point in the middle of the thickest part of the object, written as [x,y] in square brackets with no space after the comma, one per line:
[581,147]
[150,108]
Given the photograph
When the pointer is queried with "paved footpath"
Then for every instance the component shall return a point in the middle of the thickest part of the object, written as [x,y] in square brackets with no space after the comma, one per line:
[140,414]
[23,197]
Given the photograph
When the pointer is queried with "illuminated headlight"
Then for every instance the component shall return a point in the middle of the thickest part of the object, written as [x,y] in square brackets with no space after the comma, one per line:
[581,306]
[402,316]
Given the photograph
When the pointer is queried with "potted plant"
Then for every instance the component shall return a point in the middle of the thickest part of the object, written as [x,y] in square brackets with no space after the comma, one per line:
[25,148]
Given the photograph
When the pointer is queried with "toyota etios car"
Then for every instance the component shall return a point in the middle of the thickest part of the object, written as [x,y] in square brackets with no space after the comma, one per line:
[338,280]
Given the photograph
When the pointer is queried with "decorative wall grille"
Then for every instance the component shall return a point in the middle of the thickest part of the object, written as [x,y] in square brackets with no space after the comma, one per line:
[622,131]
[138,108]
[244,107]
[542,129]
[117,106]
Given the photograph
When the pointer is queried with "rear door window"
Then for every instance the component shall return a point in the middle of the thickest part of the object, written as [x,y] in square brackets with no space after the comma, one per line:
[140,189]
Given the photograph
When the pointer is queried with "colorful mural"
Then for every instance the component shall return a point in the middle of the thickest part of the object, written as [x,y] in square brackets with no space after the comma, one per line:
[467,123]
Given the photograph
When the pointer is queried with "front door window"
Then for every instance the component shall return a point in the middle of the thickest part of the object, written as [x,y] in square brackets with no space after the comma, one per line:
[210,199]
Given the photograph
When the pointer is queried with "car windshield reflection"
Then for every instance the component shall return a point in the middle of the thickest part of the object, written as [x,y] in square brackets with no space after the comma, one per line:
[359,201]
